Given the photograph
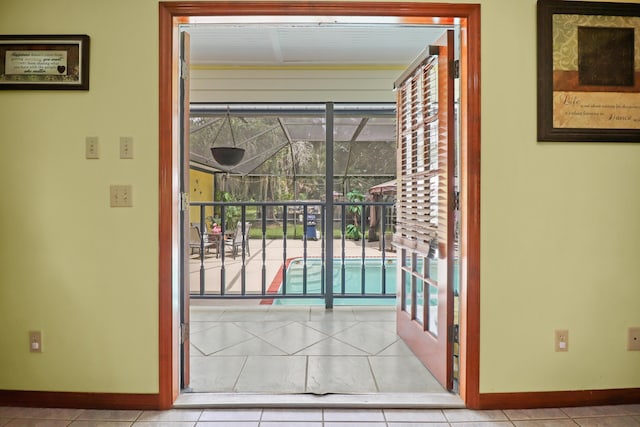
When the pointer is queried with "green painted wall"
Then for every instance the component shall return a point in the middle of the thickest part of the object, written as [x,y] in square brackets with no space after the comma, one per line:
[560,227]
[82,272]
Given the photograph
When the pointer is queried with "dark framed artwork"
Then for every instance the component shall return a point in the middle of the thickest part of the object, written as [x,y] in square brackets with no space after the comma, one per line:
[44,62]
[588,71]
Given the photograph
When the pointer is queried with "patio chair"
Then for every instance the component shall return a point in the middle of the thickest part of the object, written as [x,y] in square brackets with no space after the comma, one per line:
[236,241]
[195,240]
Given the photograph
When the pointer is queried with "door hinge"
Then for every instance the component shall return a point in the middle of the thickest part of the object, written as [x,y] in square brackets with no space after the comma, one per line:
[454,335]
[456,69]
[184,332]
[184,70]
[184,201]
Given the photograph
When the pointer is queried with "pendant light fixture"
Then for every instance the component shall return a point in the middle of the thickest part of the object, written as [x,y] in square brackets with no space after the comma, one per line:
[227,155]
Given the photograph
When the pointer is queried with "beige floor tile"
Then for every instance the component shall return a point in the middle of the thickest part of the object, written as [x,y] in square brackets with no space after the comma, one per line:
[292,415]
[273,374]
[343,314]
[108,415]
[171,415]
[389,326]
[608,421]
[403,374]
[398,348]
[290,424]
[253,347]
[339,374]
[330,327]
[482,424]
[244,315]
[416,424]
[296,314]
[164,424]
[100,423]
[228,424]
[37,422]
[354,424]
[366,338]
[204,314]
[231,415]
[261,328]
[220,337]
[597,411]
[331,347]
[42,413]
[196,326]
[353,415]
[376,314]
[215,373]
[545,423]
[467,415]
[535,414]
[414,415]
[293,337]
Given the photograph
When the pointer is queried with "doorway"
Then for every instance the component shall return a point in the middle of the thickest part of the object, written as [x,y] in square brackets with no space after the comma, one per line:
[173,13]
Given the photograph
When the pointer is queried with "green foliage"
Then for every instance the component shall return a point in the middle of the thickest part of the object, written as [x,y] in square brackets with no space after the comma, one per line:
[353,232]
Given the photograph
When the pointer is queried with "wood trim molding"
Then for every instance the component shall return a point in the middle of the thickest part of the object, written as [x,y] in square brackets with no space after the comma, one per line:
[171,12]
[470,202]
[168,380]
[78,400]
[556,399]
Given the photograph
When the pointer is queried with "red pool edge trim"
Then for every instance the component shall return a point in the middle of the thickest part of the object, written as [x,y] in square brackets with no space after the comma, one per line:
[274,287]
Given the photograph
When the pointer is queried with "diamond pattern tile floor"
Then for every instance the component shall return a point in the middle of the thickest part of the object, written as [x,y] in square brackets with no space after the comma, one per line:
[302,350]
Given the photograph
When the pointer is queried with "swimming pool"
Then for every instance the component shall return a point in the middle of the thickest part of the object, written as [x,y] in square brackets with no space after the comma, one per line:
[351,268]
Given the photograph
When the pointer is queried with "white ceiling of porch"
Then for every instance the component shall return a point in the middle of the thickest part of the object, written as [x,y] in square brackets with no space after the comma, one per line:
[309,44]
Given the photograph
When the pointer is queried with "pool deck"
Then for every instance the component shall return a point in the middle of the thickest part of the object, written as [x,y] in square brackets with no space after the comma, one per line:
[271,256]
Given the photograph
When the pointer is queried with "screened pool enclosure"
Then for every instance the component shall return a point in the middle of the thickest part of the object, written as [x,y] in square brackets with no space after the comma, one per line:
[285,148]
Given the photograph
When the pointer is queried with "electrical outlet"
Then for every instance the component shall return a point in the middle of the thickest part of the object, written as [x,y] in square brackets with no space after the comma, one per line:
[92,148]
[35,341]
[634,339]
[126,147]
[121,196]
[562,340]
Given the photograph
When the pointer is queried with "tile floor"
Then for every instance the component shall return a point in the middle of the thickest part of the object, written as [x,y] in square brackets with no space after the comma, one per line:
[289,350]
[609,416]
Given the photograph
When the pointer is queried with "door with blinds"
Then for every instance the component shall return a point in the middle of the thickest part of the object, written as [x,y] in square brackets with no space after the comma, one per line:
[425,222]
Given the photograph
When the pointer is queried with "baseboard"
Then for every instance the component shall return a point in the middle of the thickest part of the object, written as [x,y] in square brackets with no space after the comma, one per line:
[557,399]
[48,399]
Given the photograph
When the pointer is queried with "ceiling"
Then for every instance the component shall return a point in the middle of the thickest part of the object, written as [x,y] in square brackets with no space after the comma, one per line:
[319,43]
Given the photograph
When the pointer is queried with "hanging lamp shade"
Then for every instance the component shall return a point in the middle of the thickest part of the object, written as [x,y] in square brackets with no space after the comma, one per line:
[229,155]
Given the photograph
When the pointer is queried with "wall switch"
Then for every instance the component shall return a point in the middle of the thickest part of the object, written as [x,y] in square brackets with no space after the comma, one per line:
[121,196]
[92,148]
[562,340]
[126,147]
[634,339]
[35,341]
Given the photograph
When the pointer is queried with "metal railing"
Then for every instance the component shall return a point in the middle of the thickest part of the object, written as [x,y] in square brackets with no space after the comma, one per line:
[275,251]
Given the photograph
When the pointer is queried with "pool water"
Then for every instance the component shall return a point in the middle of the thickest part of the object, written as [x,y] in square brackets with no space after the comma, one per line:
[353,267]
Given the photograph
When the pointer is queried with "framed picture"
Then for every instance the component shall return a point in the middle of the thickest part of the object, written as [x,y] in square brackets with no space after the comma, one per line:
[588,71]
[44,62]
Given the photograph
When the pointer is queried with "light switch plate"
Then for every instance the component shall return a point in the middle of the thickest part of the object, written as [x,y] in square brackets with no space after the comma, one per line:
[121,196]
[92,147]
[126,147]
[562,340]
[35,341]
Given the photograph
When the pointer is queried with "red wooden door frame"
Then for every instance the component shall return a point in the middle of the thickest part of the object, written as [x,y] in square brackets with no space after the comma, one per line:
[173,13]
